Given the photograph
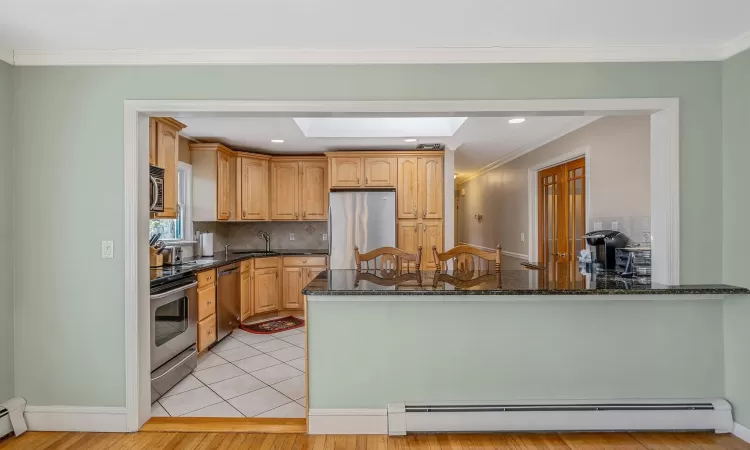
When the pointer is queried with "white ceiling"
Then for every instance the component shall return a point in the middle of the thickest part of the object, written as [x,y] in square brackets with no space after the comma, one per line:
[183,31]
[478,142]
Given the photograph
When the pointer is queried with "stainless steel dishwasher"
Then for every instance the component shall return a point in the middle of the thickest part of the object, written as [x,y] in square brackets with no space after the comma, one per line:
[228,301]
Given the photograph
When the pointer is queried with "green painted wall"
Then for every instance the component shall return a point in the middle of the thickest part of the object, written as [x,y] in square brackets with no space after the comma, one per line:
[736,160]
[69,181]
[373,351]
[6,227]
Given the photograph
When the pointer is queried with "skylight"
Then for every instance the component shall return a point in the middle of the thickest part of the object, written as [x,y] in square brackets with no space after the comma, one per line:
[378,127]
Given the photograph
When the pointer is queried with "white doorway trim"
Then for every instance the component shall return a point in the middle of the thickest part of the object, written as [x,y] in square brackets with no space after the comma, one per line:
[665,213]
[533,194]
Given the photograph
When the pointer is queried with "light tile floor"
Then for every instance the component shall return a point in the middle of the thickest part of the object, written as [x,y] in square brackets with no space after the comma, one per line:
[244,375]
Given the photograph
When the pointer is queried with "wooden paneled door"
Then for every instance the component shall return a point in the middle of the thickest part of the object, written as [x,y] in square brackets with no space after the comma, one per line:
[431,234]
[224,186]
[292,282]
[253,188]
[346,171]
[407,188]
[562,220]
[380,172]
[430,198]
[314,190]
[284,190]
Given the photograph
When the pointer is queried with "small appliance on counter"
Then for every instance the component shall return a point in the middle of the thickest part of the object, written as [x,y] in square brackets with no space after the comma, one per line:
[604,244]
[205,244]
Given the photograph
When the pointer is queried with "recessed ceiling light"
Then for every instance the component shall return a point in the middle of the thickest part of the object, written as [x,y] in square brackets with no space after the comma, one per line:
[410,140]
[277,141]
[517,120]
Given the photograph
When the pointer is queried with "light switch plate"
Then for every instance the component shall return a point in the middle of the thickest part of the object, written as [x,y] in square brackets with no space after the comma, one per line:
[523,237]
[597,226]
[108,249]
[325,236]
[615,225]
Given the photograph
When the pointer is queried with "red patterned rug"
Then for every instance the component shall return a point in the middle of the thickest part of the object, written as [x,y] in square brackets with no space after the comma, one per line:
[274,325]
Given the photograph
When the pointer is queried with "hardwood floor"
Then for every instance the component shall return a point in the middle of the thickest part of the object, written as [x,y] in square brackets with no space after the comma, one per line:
[232,441]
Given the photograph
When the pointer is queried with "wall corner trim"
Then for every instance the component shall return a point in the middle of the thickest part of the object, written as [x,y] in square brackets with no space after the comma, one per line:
[76,418]
[348,421]
[741,432]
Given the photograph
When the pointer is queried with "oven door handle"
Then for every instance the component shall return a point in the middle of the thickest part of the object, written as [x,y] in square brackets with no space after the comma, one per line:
[176,365]
[174,291]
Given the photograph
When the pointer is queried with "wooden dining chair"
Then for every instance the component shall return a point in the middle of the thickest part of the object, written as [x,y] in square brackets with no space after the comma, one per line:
[387,259]
[463,257]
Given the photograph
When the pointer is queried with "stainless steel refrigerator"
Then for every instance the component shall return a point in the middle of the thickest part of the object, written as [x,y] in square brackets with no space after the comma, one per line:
[366,219]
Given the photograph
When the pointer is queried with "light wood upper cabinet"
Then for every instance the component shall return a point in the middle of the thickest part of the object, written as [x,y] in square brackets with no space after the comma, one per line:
[284,190]
[292,281]
[163,152]
[380,172]
[266,295]
[407,188]
[346,171]
[430,234]
[430,180]
[314,189]
[224,187]
[252,187]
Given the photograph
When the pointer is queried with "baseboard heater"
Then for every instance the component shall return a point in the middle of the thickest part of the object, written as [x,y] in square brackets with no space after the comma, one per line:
[629,415]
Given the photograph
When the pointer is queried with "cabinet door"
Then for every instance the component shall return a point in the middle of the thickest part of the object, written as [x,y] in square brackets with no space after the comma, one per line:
[253,194]
[431,233]
[314,190]
[380,172]
[311,273]
[406,188]
[430,179]
[166,158]
[292,282]
[223,187]
[346,172]
[152,142]
[246,295]
[266,290]
[206,332]
[408,235]
[284,190]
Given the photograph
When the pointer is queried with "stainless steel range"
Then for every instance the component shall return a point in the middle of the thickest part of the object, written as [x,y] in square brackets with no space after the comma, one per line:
[174,332]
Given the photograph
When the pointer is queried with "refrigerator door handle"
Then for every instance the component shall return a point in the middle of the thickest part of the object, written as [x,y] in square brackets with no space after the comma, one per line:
[329,230]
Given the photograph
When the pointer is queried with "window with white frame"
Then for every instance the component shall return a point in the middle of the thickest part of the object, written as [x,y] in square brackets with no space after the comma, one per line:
[181,228]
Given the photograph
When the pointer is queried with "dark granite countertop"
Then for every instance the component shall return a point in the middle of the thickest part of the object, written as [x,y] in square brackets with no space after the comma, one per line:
[505,282]
[198,264]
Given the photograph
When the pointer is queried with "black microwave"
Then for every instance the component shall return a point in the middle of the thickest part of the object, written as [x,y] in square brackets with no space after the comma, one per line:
[156,183]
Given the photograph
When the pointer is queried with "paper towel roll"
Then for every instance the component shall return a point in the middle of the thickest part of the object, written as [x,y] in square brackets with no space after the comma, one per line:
[207,244]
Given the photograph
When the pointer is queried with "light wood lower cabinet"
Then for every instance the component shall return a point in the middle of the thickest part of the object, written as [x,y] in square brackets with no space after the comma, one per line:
[411,234]
[246,289]
[206,332]
[292,283]
[266,295]
[311,272]
[206,309]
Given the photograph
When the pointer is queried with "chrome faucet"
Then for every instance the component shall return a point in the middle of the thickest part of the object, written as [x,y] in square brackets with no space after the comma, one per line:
[267,238]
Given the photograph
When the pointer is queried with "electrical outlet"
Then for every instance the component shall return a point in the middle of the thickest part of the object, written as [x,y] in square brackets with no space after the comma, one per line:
[291,236]
[615,225]
[325,236]
[523,237]
[597,226]
[108,249]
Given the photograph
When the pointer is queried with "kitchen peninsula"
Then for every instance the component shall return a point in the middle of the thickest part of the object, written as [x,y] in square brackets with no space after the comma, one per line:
[505,337]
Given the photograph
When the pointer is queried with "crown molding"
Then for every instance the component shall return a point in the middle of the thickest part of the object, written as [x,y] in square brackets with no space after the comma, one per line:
[517,153]
[444,55]
[736,45]
[7,56]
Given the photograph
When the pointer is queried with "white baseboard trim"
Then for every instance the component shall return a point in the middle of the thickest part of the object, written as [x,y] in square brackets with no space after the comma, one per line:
[348,421]
[76,418]
[515,255]
[741,432]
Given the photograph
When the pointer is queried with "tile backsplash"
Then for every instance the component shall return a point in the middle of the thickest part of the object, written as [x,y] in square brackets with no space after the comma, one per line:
[245,235]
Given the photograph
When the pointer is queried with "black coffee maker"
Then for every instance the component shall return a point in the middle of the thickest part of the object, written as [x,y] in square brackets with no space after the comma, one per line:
[603,244]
